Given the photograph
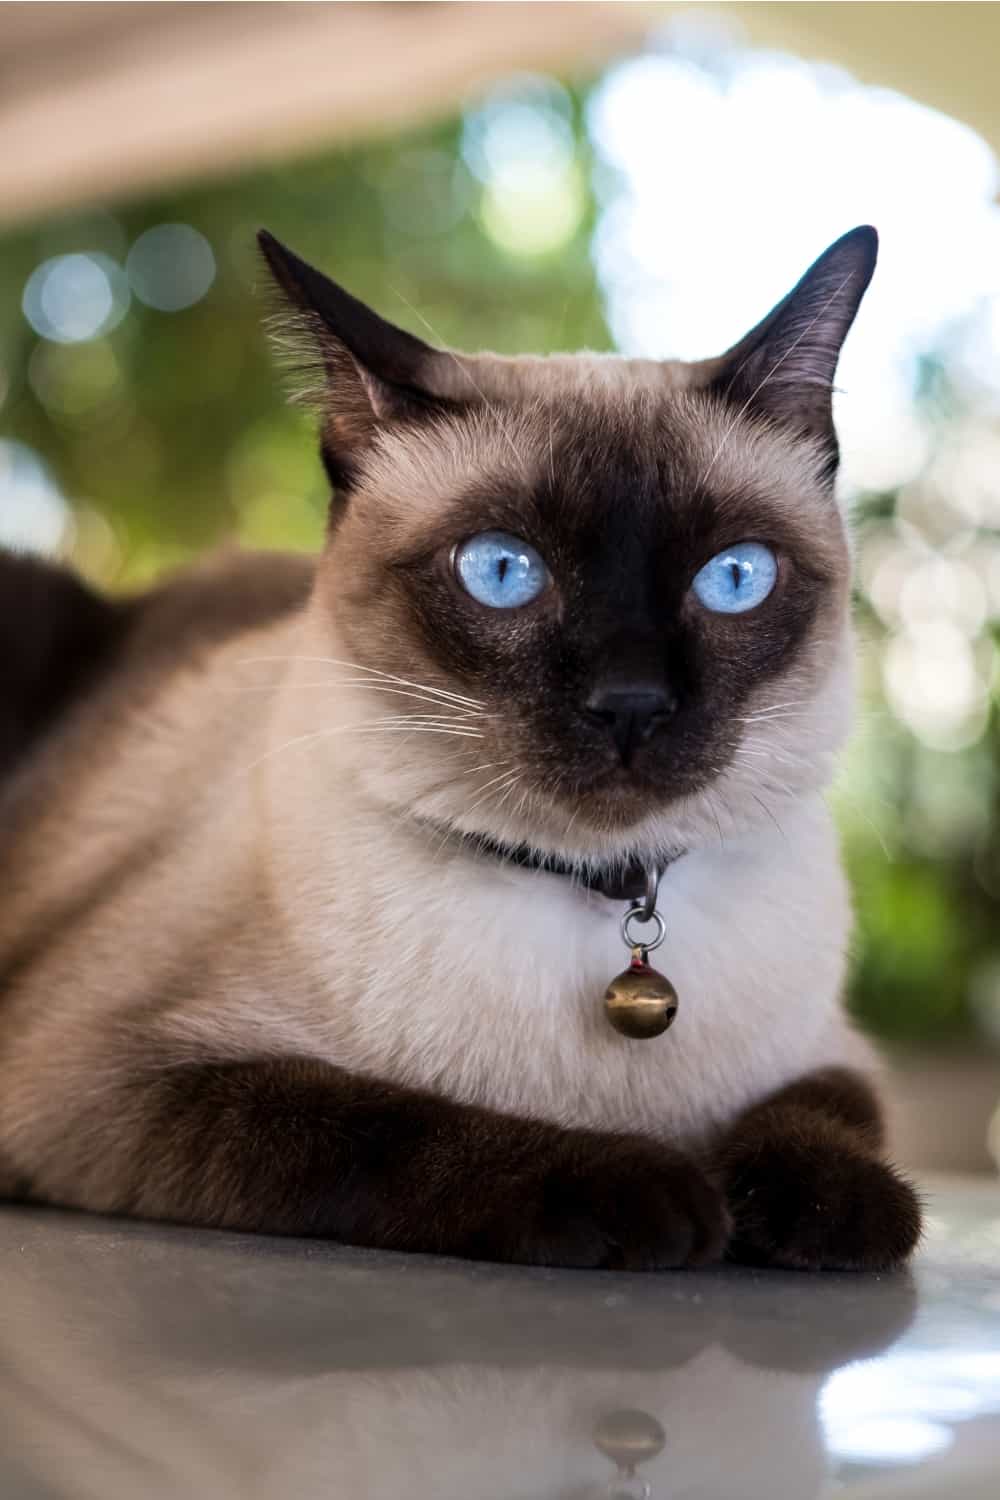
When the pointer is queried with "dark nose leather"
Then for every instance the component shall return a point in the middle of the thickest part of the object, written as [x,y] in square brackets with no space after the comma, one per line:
[632,712]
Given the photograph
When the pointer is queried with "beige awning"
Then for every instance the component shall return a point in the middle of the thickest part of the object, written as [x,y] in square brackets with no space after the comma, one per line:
[99,101]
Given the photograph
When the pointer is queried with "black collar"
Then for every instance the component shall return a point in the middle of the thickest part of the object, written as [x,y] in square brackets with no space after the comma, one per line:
[616,882]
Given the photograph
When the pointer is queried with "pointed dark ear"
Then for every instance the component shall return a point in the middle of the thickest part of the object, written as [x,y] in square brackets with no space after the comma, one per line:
[372,372]
[784,367]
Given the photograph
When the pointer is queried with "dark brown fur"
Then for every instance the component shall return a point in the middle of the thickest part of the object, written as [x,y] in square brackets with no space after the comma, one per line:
[806,1185]
[292,1146]
[296,1147]
[59,637]
[56,637]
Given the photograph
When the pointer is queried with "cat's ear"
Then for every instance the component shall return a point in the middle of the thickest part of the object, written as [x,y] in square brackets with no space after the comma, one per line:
[370,373]
[784,367]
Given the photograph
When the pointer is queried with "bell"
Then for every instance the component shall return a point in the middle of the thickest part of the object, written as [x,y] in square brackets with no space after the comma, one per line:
[640,1002]
[629,1438]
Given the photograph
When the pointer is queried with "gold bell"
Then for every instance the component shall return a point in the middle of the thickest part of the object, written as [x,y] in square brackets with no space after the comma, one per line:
[629,1438]
[640,1002]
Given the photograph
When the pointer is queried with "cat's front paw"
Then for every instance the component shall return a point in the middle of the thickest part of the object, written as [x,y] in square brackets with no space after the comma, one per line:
[612,1202]
[817,1200]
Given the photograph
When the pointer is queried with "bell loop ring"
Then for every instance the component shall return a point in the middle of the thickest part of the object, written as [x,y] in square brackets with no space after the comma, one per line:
[637,914]
[647,905]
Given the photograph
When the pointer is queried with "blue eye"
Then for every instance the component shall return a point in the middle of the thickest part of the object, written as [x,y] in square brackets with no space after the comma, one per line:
[737,579]
[500,570]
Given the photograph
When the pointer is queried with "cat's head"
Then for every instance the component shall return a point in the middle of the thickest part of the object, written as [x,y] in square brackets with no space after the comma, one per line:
[623,582]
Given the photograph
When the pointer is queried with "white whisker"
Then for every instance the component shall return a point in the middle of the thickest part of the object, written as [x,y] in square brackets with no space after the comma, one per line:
[458,712]
[765,809]
[510,787]
[375,726]
[775,711]
[356,666]
[495,779]
[467,811]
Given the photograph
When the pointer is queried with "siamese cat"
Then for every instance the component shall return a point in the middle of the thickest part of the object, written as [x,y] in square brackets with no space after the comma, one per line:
[313,871]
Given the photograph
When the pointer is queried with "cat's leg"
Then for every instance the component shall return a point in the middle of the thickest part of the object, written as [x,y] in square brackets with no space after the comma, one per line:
[299,1147]
[806,1185]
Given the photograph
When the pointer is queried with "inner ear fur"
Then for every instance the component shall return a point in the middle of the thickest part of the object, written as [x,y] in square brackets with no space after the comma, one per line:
[363,371]
[783,369]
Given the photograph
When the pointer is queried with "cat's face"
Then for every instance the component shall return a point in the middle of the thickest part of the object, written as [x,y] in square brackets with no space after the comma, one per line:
[625,582]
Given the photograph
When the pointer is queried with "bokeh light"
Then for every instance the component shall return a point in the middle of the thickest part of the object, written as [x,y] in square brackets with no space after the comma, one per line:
[74,381]
[170,266]
[424,192]
[901,1408]
[75,297]
[34,516]
[522,147]
[720,206]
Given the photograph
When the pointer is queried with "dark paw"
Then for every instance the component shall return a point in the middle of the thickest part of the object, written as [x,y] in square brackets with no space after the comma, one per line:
[818,1201]
[613,1202]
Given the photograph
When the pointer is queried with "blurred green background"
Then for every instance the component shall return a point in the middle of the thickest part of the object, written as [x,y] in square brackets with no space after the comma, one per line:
[659,205]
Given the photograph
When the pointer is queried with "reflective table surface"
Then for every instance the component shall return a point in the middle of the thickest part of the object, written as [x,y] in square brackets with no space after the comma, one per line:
[139,1362]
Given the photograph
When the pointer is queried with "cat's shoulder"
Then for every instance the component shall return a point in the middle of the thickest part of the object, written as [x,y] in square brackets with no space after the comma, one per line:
[224,595]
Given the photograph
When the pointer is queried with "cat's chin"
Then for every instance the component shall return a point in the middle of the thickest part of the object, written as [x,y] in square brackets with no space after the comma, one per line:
[619,802]
[614,815]
[618,827]
[623,829]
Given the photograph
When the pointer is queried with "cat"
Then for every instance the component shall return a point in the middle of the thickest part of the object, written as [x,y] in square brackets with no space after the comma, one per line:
[313,869]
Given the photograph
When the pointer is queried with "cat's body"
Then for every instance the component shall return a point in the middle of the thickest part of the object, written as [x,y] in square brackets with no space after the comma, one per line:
[251,972]
[154,772]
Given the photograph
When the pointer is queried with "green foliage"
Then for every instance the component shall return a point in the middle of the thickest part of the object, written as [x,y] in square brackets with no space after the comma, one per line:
[173,426]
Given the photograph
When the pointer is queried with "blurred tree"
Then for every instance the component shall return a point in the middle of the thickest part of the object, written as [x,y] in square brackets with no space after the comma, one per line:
[172,426]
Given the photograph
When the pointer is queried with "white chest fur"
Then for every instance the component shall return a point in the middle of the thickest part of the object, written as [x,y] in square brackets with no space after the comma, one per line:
[484,982]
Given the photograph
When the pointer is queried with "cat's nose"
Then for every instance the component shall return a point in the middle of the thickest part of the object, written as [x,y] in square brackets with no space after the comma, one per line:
[632,711]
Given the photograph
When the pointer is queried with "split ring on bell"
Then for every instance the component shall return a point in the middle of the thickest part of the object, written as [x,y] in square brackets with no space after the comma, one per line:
[637,914]
[647,905]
